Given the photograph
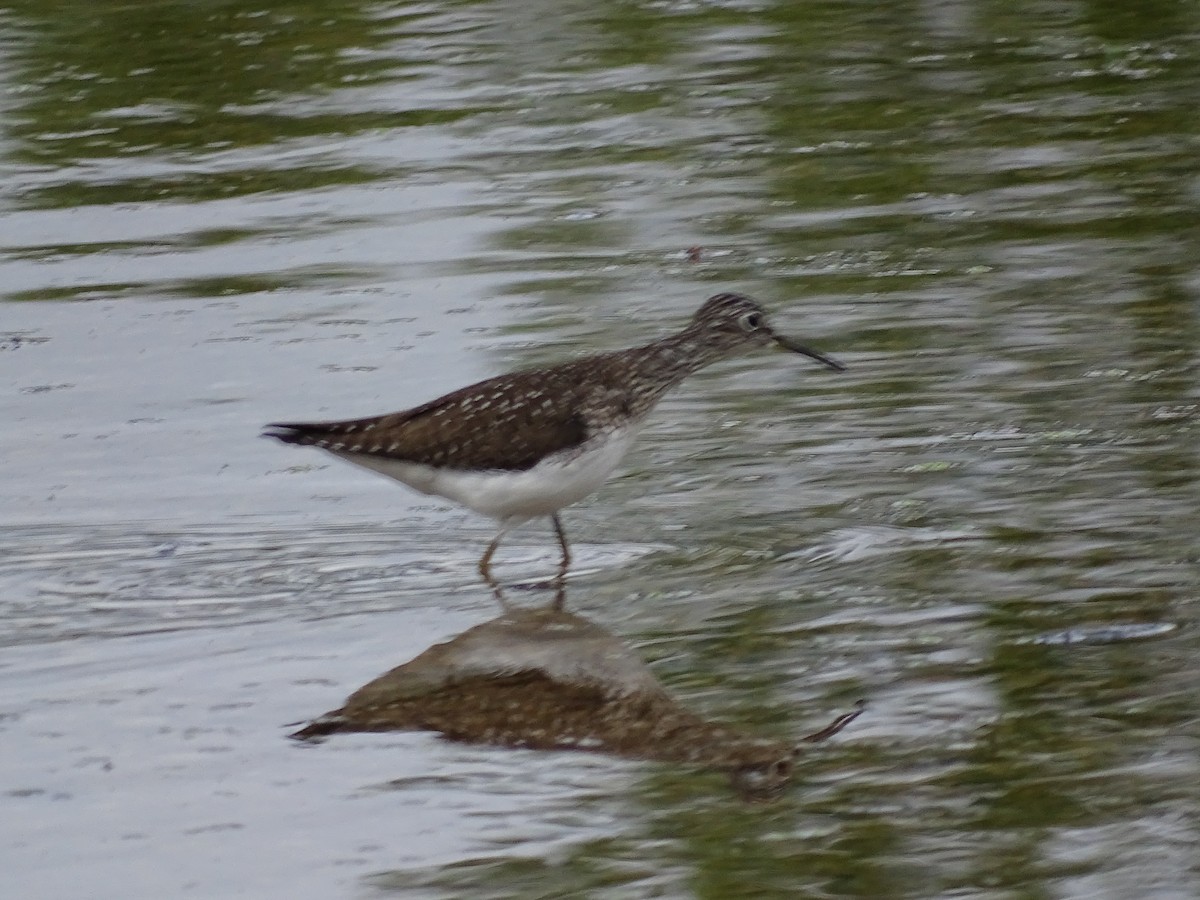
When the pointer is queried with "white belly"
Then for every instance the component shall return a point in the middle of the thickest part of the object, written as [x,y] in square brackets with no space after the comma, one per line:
[555,482]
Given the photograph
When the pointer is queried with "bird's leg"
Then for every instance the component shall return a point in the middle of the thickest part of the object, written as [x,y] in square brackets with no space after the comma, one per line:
[485,569]
[560,593]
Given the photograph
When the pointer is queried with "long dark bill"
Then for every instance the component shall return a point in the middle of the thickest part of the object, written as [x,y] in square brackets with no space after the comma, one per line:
[789,344]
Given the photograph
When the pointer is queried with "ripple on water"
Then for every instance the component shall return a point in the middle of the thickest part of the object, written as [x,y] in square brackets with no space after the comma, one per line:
[110,580]
[867,542]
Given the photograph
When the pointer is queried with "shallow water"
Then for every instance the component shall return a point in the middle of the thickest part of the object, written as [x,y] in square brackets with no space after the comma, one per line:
[218,215]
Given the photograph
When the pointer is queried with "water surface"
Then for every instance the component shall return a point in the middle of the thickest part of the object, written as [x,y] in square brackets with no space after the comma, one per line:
[216,215]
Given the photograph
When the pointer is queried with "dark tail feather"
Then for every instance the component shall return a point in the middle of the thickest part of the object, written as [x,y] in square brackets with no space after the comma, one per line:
[305,433]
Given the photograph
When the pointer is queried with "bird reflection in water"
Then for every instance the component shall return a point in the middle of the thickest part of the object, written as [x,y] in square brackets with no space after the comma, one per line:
[546,679]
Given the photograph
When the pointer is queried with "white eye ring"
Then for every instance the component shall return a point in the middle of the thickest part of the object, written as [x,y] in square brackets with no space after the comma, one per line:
[751,321]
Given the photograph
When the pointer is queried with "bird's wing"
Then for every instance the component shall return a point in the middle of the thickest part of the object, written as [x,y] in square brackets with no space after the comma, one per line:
[505,423]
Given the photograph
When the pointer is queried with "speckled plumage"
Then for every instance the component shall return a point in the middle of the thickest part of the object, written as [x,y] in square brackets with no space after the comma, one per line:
[528,443]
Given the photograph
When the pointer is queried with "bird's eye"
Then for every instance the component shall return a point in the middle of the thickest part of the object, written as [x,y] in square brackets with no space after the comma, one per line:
[751,321]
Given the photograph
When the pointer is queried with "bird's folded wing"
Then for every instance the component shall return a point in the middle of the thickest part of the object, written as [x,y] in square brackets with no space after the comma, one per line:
[505,423]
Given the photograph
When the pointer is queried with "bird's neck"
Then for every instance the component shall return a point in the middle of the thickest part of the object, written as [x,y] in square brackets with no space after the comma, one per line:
[659,366]
[683,353]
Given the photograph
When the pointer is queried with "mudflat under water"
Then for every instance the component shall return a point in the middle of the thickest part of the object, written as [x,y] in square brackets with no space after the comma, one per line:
[217,215]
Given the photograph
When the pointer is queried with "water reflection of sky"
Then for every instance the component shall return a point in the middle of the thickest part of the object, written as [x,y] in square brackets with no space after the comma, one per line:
[215,216]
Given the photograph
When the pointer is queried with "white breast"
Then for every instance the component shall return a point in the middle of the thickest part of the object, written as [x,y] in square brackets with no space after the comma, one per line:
[555,482]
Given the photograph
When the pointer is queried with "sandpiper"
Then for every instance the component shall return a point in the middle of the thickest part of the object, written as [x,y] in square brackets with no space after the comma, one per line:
[524,445]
